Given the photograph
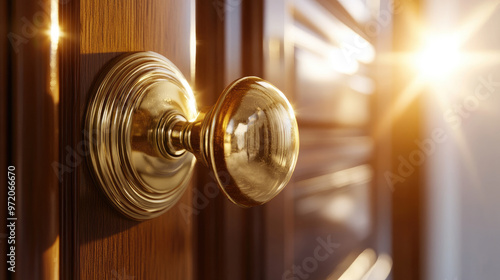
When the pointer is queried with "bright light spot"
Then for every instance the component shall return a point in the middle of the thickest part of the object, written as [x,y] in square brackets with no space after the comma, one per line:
[55,33]
[340,208]
[342,63]
[381,269]
[362,84]
[360,266]
[440,57]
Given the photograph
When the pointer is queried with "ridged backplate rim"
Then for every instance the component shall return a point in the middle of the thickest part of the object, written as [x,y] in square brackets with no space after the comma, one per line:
[113,121]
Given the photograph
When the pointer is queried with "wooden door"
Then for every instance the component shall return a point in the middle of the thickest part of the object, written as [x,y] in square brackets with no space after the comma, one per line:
[338,193]
[67,228]
[98,242]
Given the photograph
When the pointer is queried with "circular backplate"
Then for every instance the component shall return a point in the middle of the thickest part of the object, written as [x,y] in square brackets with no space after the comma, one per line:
[123,118]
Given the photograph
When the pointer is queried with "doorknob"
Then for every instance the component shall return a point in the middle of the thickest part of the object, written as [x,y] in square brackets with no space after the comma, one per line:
[146,133]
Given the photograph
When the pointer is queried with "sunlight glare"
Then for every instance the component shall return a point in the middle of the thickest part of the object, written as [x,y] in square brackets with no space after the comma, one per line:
[55,33]
[439,57]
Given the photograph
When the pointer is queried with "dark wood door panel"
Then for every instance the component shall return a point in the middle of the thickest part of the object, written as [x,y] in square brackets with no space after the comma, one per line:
[336,194]
[335,170]
[108,245]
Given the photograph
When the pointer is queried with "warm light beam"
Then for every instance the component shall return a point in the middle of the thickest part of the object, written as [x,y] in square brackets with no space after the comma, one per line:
[55,33]
[440,57]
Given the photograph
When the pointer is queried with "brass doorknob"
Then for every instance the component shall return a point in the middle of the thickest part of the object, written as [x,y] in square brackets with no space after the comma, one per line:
[145,130]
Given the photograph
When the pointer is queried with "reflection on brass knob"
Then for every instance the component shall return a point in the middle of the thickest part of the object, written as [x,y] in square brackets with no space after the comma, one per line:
[145,130]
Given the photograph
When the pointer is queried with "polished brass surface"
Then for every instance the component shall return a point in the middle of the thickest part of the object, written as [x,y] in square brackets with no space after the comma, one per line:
[144,119]
[122,118]
[249,139]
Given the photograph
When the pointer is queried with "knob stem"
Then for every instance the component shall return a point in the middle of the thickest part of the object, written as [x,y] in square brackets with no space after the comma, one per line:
[249,140]
[180,135]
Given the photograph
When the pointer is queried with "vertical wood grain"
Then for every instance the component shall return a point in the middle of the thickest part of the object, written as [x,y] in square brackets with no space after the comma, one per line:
[235,243]
[278,68]
[70,134]
[33,140]
[111,246]
[210,71]
[407,198]
[4,127]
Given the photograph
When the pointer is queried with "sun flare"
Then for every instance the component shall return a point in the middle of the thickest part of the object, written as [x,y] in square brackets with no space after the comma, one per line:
[439,57]
[55,33]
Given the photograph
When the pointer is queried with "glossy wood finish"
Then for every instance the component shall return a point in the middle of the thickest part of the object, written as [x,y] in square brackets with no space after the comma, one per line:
[337,193]
[98,242]
[209,81]
[70,136]
[4,126]
[32,138]
[233,41]
[277,66]
[250,39]
[407,199]
[233,38]
[194,240]
[223,246]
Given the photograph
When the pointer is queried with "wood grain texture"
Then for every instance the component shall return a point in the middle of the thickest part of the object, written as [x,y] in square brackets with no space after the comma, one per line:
[70,136]
[209,82]
[4,127]
[111,246]
[336,141]
[33,141]
[230,239]
[408,196]
[277,67]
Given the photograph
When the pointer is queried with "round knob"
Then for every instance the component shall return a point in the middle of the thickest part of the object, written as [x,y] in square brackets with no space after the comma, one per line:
[249,139]
[146,129]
